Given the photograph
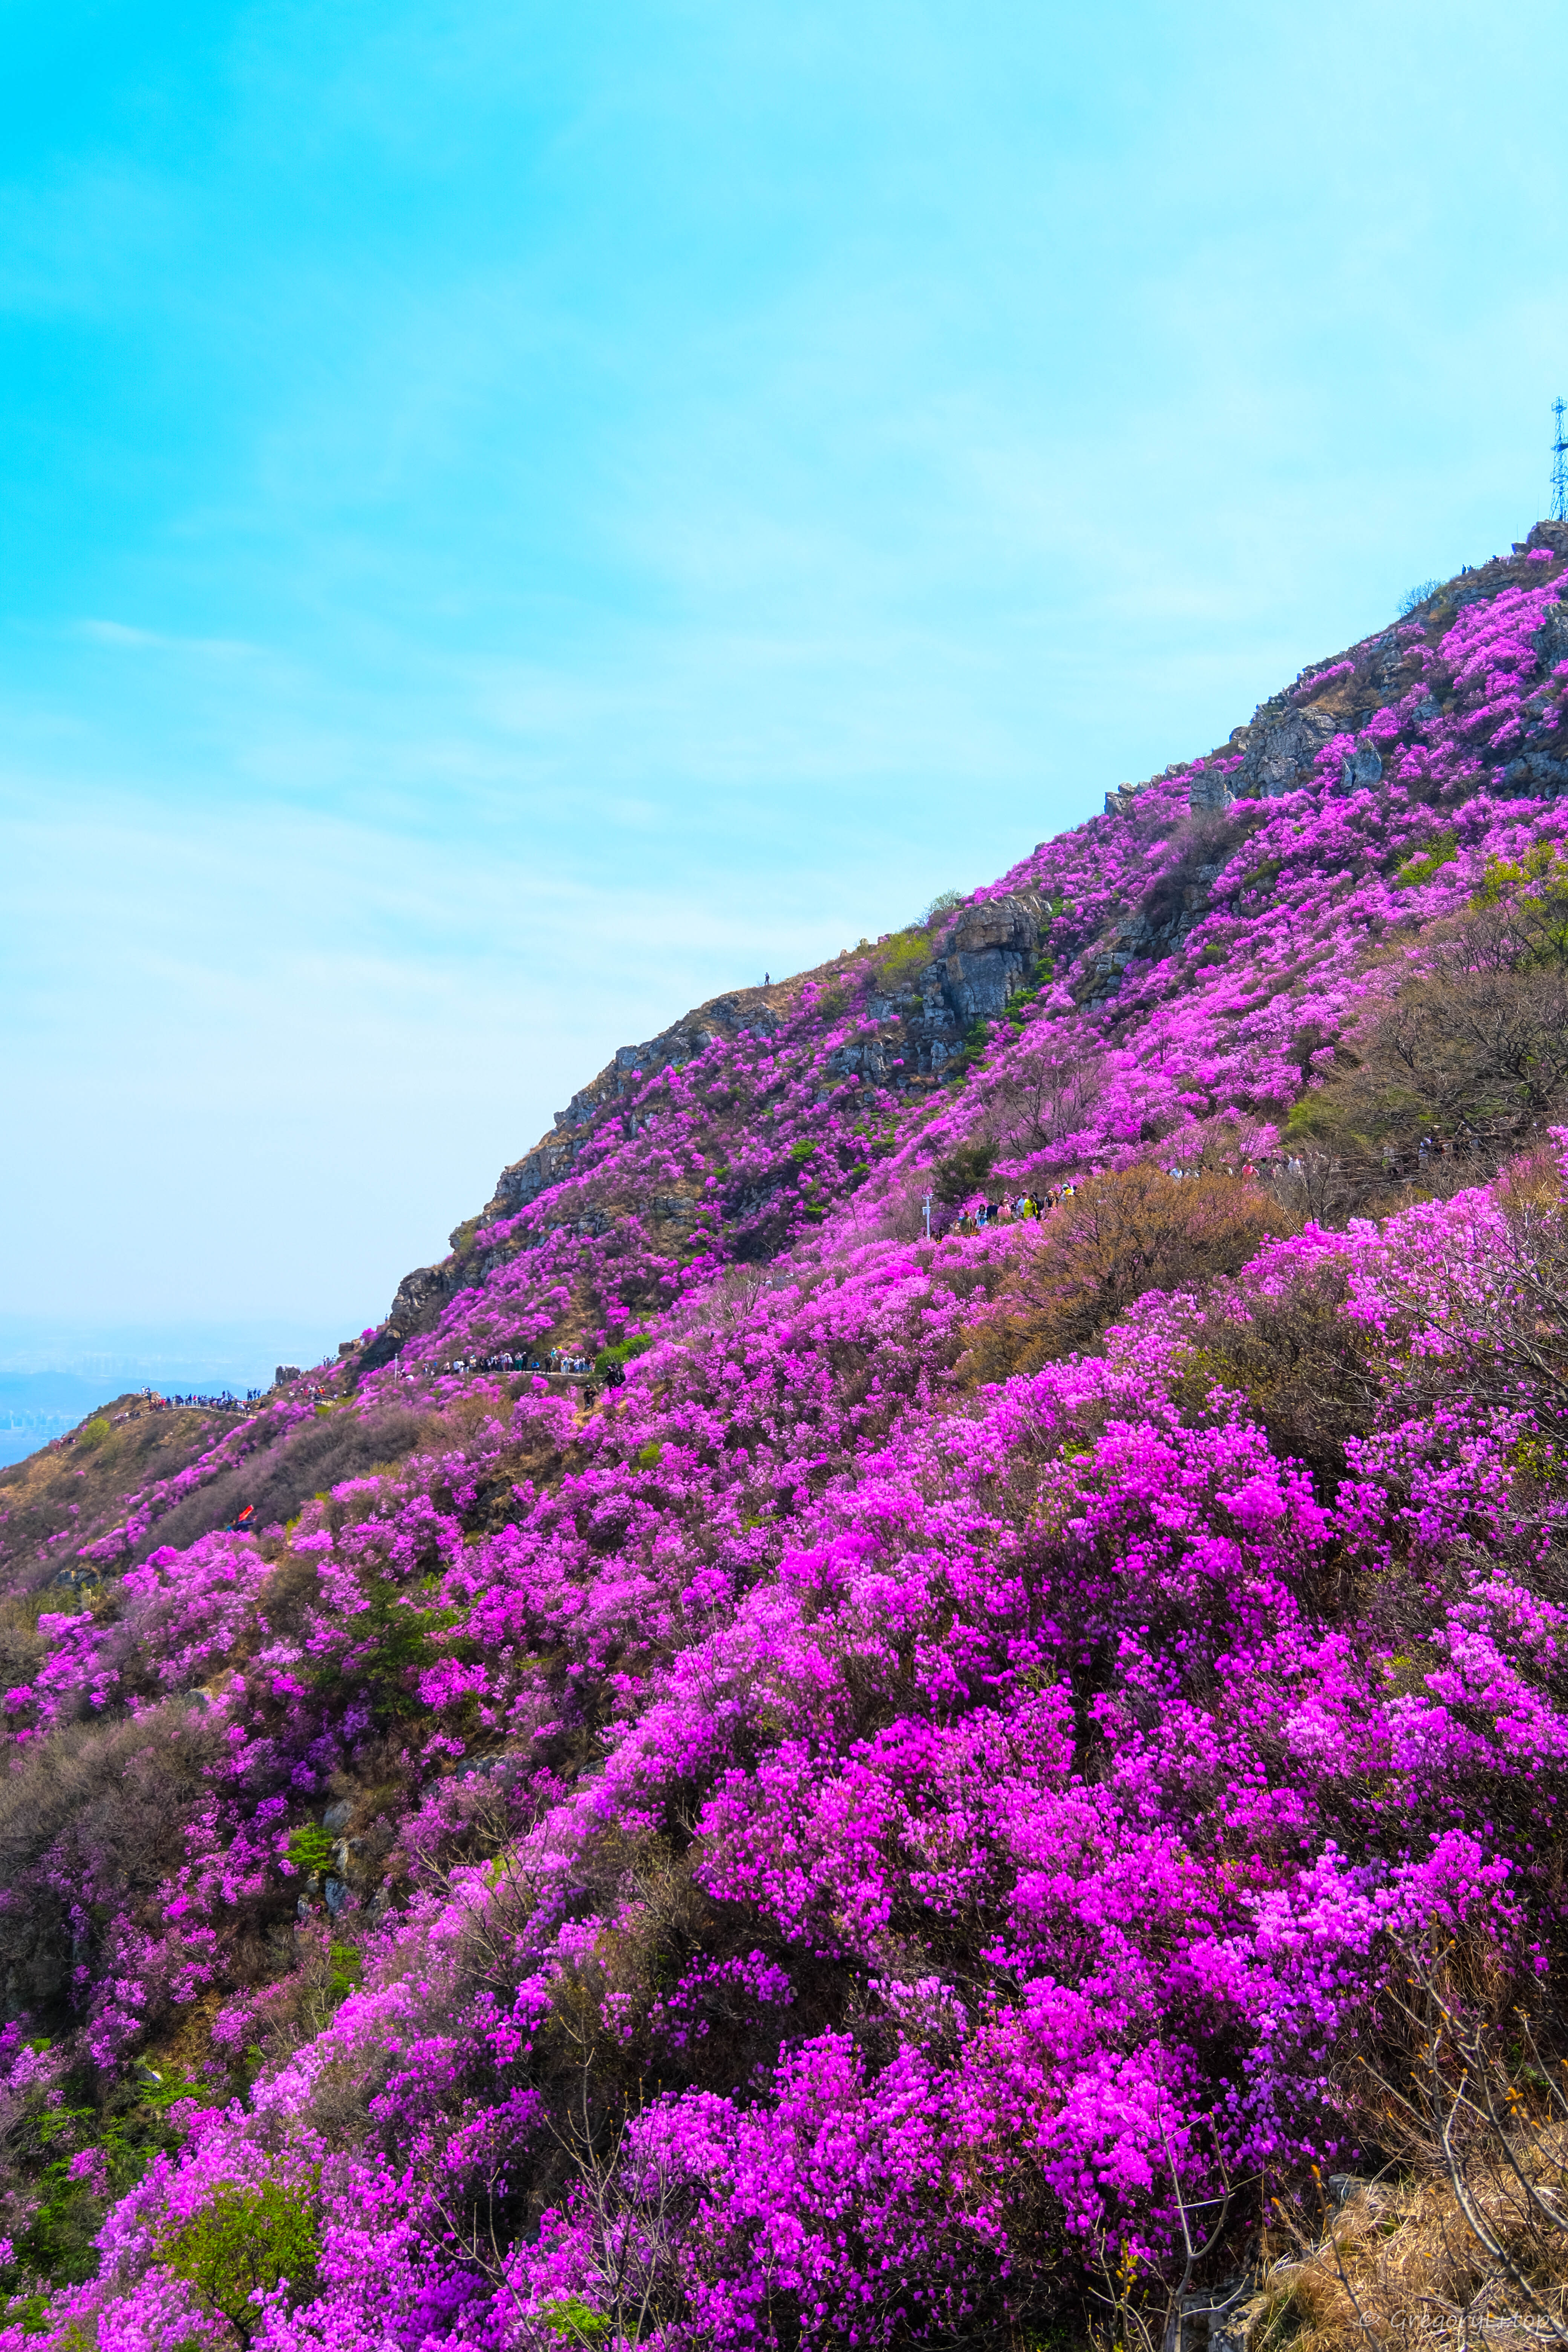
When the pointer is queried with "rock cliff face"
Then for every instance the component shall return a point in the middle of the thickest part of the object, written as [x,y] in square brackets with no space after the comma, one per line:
[1277,749]
[983,958]
[722,1016]
[422,1293]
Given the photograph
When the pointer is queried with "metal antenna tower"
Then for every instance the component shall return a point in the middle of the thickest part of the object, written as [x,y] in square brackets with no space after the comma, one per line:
[1559,468]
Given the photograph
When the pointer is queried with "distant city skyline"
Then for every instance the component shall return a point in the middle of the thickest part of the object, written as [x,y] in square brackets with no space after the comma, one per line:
[516,520]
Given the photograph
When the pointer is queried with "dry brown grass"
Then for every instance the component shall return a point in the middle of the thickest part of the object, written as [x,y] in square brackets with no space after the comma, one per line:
[91,1477]
[1462,2240]
[1458,2239]
[1401,2265]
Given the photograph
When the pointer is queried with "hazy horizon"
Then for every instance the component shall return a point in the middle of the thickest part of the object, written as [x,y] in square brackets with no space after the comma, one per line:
[175,1356]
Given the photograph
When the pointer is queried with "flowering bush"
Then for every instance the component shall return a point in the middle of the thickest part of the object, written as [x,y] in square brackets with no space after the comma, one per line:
[926,1775]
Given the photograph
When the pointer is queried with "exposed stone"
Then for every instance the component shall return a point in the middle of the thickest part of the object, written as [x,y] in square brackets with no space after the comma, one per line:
[1382,662]
[1364,766]
[986,954]
[1532,773]
[422,1293]
[673,1205]
[420,1297]
[1551,640]
[1280,757]
[868,1057]
[547,1163]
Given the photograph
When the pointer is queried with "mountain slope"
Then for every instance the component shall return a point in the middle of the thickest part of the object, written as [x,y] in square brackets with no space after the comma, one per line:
[923,1769]
[1186,956]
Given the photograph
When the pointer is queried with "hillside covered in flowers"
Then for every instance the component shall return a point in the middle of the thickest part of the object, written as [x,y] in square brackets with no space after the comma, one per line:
[771,1761]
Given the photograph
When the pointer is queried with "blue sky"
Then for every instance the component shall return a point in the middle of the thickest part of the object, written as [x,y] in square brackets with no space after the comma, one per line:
[516,519]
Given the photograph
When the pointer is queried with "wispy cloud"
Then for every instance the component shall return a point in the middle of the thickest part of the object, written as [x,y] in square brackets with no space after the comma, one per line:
[158,641]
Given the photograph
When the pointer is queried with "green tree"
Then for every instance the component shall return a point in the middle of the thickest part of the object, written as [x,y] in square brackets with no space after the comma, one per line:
[963,1171]
[247,2244]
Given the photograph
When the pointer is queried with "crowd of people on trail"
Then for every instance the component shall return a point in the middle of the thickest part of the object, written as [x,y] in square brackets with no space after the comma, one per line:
[1269,1168]
[1017,1208]
[152,1401]
[556,1360]
[1012,1208]
[1246,1169]
[224,1402]
[979,1216]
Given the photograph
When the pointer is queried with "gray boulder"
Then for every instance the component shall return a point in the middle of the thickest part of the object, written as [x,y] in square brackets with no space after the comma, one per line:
[1279,757]
[986,954]
[1364,766]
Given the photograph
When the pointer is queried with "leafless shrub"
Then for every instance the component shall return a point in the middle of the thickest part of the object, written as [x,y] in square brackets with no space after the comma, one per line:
[1306,1372]
[1463,2236]
[634,2204]
[1159,2307]
[1506,1317]
[1314,1183]
[1045,1095]
[96,1806]
[1084,1263]
[1470,1055]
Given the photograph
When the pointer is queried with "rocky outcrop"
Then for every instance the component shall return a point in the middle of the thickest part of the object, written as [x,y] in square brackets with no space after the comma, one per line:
[547,1163]
[1551,640]
[1277,754]
[1535,775]
[872,1058]
[1154,930]
[1282,758]
[986,954]
[1279,748]
[422,1295]
[550,1161]
[1364,766]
